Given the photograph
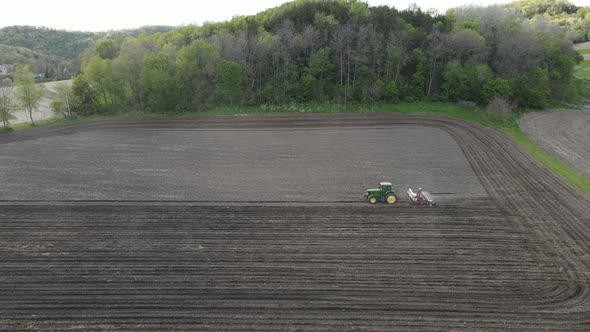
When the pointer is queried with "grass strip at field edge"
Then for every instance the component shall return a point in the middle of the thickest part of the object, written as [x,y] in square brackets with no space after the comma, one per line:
[508,127]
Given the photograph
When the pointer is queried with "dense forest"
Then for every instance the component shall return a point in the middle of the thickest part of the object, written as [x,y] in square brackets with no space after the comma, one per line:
[333,51]
[517,55]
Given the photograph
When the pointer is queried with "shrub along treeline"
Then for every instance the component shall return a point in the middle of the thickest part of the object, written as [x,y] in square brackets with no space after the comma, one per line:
[332,51]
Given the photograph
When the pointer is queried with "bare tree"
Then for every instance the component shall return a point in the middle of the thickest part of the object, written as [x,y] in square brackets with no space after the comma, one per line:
[490,19]
[311,41]
[63,101]
[398,54]
[231,47]
[436,52]
[467,46]
[518,53]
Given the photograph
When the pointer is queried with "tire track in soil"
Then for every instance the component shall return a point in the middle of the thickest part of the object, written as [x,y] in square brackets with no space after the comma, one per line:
[544,217]
[305,265]
[520,262]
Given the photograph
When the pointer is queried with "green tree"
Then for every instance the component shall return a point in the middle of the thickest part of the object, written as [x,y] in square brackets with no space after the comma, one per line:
[159,85]
[496,88]
[322,69]
[84,96]
[360,10]
[26,93]
[309,86]
[228,83]
[196,66]
[128,66]
[532,89]
[5,104]
[108,48]
[111,92]
[418,82]
[466,82]
[392,92]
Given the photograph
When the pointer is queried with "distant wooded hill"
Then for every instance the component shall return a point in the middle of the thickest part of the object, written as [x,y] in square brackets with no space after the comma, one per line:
[50,51]
[65,44]
[571,18]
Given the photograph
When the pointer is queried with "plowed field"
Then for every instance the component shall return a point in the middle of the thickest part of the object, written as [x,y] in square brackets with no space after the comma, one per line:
[255,223]
[564,134]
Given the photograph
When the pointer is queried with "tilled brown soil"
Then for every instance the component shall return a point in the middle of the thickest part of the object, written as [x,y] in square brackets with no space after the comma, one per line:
[564,134]
[327,164]
[516,258]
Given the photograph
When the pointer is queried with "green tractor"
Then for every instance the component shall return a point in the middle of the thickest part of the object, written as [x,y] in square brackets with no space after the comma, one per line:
[385,193]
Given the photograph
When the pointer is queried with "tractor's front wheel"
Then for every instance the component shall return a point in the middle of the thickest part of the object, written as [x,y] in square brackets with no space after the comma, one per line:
[373,199]
[391,199]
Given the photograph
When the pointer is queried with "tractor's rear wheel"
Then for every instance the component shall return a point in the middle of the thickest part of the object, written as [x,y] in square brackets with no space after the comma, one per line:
[372,199]
[391,199]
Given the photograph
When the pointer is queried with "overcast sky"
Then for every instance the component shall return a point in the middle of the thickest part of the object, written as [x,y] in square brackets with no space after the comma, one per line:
[105,15]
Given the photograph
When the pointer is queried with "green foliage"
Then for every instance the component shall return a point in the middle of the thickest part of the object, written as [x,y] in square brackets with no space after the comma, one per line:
[26,94]
[52,42]
[66,44]
[309,86]
[496,88]
[84,101]
[532,89]
[108,49]
[20,55]
[331,51]
[467,82]
[467,25]
[159,91]
[109,91]
[568,16]
[321,69]
[418,82]
[55,53]
[228,84]
[195,75]
[62,102]
[583,71]
[392,92]
[359,10]
[6,108]
[531,8]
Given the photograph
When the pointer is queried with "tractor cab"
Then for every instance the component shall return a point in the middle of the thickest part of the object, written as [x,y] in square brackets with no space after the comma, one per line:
[386,187]
[385,193]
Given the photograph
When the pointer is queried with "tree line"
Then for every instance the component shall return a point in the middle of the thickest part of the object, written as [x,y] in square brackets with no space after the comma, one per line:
[332,51]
